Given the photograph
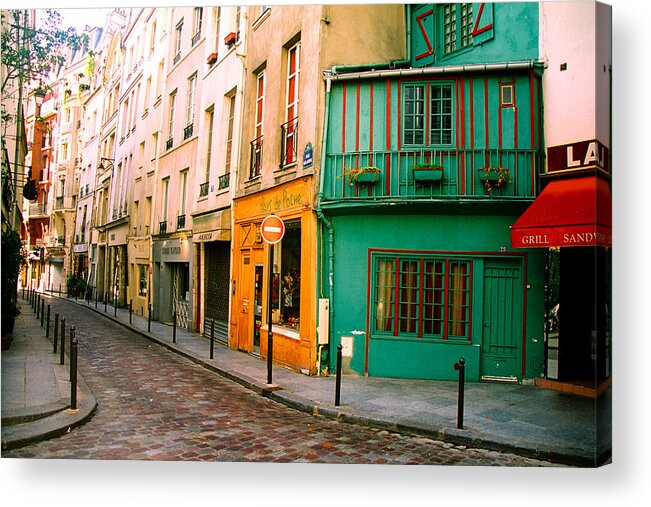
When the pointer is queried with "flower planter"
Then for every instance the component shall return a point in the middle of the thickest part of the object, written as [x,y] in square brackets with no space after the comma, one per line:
[367,177]
[428,174]
[212,58]
[230,39]
[491,176]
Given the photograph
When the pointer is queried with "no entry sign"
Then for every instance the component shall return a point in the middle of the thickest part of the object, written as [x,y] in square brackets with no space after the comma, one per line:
[273,229]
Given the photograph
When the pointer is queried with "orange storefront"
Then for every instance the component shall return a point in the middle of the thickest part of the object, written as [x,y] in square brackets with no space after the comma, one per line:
[294,276]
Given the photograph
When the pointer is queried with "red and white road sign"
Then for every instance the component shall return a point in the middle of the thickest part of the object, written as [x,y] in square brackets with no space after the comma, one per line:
[273,229]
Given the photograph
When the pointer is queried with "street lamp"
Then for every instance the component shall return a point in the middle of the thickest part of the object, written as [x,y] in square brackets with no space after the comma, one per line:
[109,162]
[39,95]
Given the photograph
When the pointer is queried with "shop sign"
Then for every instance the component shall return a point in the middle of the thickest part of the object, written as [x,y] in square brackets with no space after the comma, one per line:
[578,156]
[80,248]
[286,200]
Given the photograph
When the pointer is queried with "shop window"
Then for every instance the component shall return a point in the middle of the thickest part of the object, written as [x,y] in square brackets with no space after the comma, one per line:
[286,299]
[142,280]
[422,297]
[427,117]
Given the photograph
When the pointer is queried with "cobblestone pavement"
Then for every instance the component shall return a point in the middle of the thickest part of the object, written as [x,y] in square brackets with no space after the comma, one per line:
[155,405]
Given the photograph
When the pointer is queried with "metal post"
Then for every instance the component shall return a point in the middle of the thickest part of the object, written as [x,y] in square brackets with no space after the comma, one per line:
[23,292]
[56,331]
[130,309]
[72,338]
[149,320]
[115,305]
[460,365]
[105,301]
[338,378]
[63,341]
[95,297]
[174,330]
[59,290]
[73,371]
[42,311]
[38,306]
[47,328]
[212,338]
[270,335]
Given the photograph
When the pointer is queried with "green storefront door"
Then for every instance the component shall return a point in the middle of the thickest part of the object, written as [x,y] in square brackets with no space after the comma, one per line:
[502,320]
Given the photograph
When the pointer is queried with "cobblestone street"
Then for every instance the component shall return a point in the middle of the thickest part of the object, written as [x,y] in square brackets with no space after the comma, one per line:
[156,405]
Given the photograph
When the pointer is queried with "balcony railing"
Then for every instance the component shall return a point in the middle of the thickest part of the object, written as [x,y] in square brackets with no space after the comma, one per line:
[177,57]
[224,181]
[37,210]
[203,189]
[187,131]
[162,227]
[462,174]
[288,142]
[180,222]
[169,143]
[256,158]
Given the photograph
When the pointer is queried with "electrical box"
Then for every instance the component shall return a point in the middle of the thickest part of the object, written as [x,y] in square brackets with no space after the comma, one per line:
[323,329]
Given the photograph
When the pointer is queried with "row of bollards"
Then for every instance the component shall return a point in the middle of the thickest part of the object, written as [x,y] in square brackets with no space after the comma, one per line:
[38,305]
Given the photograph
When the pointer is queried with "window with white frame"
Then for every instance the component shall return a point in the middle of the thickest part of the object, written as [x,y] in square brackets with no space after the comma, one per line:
[229,136]
[210,120]
[196,24]
[192,89]
[170,124]
[290,127]
[178,37]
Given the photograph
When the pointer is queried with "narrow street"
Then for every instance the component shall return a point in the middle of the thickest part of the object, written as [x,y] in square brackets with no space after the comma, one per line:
[156,405]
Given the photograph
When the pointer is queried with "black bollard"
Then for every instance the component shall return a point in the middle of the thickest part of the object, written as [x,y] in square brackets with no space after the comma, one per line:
[63,341]
[56,332]
[460,365]
[23,292]
[174,330]
[338,377]
[59,290]
[95,297]
[47,328]
[105,302]
[212,339]
[72,338]
[149,320]
[42,311]
[130,309]
[115,306]
[73,372]
[38,306]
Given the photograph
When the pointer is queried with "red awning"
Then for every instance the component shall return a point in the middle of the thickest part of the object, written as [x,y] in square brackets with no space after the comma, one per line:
[569,212]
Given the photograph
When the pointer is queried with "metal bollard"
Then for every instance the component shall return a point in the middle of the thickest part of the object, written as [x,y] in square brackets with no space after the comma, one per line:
[105,302]
[23,292]
[73,373]
[63,341]
[72,338]
[130,309]
[149,319]
[461,366]
[56,332]
[338,377]
[115,306]
[42,311]
[174,331]
[38,306]
[59,290]
[212,339]
[47,328]
[95,297]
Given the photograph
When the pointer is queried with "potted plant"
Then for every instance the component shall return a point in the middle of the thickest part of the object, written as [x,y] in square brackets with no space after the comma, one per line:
[494,177]
[230,39]
[367,174]
[13,260]
[428,172]
[212,58]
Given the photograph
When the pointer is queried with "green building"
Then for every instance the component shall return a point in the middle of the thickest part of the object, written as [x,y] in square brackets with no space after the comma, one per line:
[427,162]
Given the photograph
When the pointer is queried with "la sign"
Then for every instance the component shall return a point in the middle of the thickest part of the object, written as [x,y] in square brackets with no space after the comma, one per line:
[576,156]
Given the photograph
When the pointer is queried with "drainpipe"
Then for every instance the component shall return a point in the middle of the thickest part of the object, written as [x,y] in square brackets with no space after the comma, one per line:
[325,221]
[343,69]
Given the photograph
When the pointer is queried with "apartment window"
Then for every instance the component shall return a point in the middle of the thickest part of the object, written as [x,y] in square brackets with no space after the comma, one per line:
[290,128]
[457,26]
[160,78]
[178,33]
[192,87]
[286,295]
[147,212]
[170,124]
[152,37]
[237,22]
[256,144]
[196,28]
[145,105]
[218,16]
[166,193]
[210,119]
[422,297]
[427,117]
[229,135]
[142,280]
[184,188]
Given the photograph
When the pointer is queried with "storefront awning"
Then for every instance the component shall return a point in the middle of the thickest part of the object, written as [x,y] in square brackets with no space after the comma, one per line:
[569,212]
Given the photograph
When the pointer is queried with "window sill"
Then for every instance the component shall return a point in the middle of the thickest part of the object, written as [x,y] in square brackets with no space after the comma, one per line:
[287,332]
[261,18]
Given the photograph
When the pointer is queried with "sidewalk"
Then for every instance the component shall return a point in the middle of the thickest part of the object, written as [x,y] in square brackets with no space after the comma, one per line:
[36,387]
[522,419]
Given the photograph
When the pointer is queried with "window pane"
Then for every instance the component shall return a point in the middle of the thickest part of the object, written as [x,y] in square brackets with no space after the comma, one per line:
[408,302]
[414,114]
[433,295]
[441,111]
[458,299]
[384,293]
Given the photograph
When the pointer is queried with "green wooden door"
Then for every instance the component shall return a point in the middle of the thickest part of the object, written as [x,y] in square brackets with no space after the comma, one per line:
[502,320]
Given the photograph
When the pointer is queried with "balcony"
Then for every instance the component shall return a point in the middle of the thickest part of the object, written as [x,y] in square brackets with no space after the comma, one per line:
[187,131]
[224,181]
[162,227]
[288,142]
[38,210]
[203,189]
[177,57]
[256,158]
[180,222]
[169,143]
[462,175]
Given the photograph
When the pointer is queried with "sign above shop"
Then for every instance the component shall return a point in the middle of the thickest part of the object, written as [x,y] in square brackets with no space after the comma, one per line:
[578,156]
[273,229]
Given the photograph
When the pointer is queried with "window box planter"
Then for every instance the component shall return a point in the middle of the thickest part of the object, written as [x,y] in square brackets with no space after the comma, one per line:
[428,172]
[230,39]
[361,175]
[494,177]
[212,58]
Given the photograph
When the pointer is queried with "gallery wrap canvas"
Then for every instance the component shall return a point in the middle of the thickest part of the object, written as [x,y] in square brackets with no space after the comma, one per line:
[355,234]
